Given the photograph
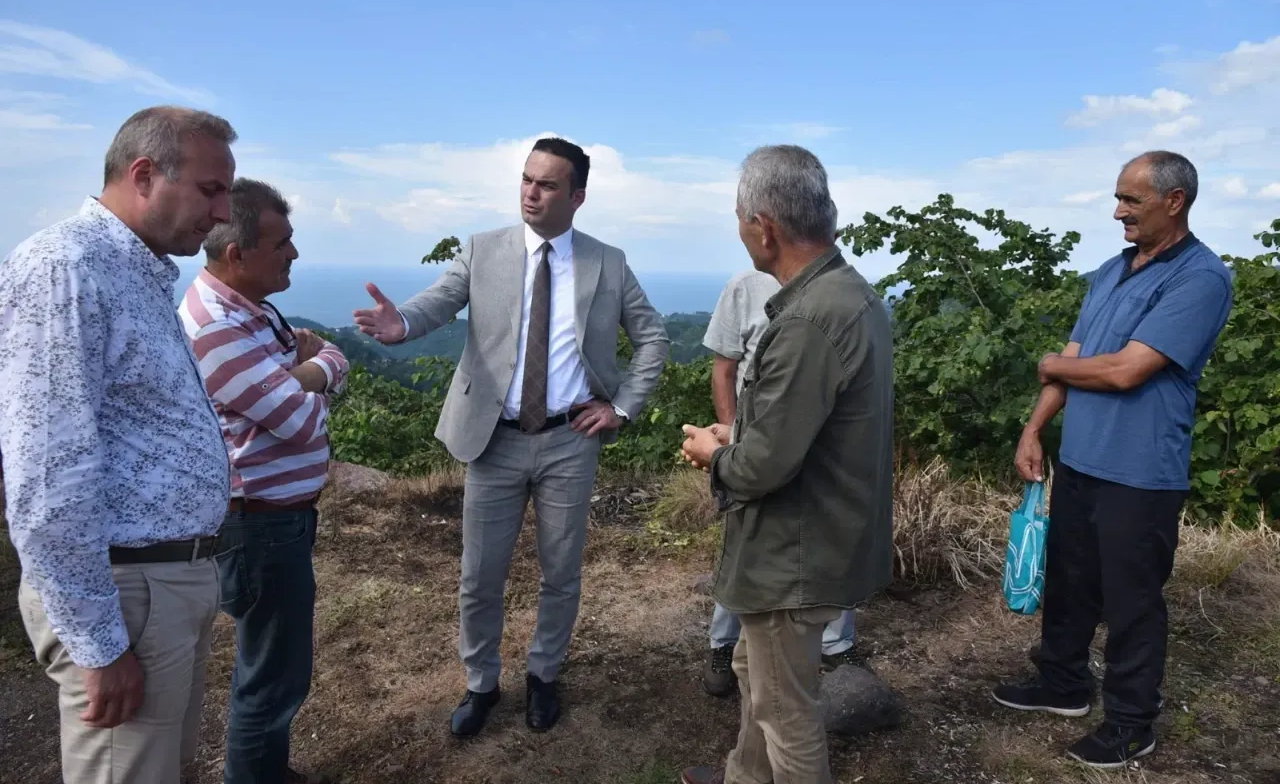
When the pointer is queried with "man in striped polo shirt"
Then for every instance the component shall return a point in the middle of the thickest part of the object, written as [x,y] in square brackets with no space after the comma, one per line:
[271,387]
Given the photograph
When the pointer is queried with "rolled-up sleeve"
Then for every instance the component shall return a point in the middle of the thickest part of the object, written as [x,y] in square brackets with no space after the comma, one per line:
[243,376]
[334,364]
[800,376]
[51,383]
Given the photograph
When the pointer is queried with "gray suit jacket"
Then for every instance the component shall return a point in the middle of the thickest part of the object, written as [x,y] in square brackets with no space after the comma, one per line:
[489,276]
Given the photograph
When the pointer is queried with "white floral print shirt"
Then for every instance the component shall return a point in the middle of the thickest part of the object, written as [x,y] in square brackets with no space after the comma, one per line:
[107,435]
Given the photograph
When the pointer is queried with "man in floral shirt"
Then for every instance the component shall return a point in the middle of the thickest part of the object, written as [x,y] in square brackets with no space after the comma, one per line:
[115,475]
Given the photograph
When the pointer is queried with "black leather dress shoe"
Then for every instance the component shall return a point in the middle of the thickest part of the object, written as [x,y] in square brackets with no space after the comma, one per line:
[543,708]
[473,712]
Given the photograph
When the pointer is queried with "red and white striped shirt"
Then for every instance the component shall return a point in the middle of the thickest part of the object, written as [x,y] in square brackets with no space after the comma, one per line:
[276,432]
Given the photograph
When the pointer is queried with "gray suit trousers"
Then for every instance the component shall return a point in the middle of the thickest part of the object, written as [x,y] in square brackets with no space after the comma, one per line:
[557,468]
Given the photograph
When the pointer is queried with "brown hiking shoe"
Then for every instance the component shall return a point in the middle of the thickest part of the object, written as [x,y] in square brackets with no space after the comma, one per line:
[703,774]
[717,674]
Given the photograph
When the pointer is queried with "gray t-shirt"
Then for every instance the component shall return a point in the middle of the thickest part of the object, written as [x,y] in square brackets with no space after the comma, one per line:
[739,318]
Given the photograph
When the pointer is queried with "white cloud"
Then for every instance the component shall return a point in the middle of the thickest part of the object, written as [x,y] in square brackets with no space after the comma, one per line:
[28,98]
[1085,197]
[42,51]
[1176,128]
[456,185]
[1271,191]
[28,110]
[437,189]
[1247,65]
[341,213]
[1233,187]
[33,129]
[24,121]
[1100,108]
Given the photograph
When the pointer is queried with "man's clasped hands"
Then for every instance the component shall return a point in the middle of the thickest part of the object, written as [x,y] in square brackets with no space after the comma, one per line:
[700,443]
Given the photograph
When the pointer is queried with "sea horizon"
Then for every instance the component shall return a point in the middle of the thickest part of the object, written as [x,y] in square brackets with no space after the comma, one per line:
[329,294]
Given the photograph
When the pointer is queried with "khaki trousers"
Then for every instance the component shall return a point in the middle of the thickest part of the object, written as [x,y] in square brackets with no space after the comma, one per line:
[169,609]
[777,659]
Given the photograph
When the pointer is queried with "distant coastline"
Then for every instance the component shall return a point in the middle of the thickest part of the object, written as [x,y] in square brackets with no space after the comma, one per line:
[327,295]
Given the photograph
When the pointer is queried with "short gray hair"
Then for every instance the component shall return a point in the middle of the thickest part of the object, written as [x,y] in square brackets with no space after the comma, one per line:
[249,200]
[788,184]
[1170,172]
[157,133]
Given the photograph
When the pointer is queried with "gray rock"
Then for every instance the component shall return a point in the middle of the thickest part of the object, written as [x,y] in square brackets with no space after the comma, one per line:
[702,584]
[356,478]
[855,702]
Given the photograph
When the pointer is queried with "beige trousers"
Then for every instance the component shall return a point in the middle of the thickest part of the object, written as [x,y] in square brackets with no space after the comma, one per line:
[777,660]
[169,609]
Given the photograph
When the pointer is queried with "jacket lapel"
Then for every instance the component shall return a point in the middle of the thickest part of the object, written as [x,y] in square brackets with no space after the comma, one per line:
[513,253]
[588,258]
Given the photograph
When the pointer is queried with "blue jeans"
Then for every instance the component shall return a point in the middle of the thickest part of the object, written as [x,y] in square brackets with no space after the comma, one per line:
[837,636]
[269,588]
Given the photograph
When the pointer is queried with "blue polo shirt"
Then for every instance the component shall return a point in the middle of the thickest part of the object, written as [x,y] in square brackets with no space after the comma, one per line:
[1177,303]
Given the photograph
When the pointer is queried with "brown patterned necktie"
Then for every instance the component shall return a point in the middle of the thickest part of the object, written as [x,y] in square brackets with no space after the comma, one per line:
[533,392]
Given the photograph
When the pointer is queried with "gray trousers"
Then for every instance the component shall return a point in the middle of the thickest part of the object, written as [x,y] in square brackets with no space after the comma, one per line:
[557,469]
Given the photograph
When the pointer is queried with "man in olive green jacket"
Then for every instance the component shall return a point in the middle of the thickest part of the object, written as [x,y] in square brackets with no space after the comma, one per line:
[808,484]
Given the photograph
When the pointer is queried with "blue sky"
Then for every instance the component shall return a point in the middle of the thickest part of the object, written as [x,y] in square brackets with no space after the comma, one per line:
[401,123]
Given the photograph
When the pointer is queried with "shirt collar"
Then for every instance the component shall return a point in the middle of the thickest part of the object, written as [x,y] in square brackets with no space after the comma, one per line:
[229,295]
[562,245]
[1168,254]
[126,240]
[779,301]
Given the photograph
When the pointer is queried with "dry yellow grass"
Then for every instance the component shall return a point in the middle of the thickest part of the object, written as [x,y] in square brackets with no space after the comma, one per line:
[957,530]
[944,529]
[387,673]
[947,528]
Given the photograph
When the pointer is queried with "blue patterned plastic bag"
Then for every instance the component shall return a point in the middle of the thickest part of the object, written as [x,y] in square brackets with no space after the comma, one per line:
[1024,561]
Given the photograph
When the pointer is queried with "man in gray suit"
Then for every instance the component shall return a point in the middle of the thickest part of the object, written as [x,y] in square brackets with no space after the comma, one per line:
[536,394]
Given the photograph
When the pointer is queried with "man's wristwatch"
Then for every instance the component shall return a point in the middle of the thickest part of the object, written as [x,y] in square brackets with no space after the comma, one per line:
[621,414]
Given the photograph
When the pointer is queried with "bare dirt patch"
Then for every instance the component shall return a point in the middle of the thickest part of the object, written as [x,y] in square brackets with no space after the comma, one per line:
[387,674]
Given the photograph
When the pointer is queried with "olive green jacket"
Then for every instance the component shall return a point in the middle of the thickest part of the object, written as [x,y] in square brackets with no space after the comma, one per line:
[808,484]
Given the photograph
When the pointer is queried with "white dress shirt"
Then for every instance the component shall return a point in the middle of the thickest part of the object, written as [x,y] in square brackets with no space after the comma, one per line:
[566,376]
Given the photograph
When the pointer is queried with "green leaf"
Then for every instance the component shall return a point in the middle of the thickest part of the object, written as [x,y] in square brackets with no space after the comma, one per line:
[1210,478]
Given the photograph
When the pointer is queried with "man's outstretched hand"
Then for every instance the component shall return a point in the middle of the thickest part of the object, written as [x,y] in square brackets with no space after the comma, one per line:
[382,322]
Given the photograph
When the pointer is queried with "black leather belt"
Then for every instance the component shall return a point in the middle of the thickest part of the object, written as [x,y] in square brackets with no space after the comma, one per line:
[258,506]
[165,552]
[552,421]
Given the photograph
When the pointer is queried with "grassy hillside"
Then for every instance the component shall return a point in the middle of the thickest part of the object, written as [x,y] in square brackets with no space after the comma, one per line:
[387,674]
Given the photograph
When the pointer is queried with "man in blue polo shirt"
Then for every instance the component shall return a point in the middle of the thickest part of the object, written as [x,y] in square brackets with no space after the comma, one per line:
[1127,379]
